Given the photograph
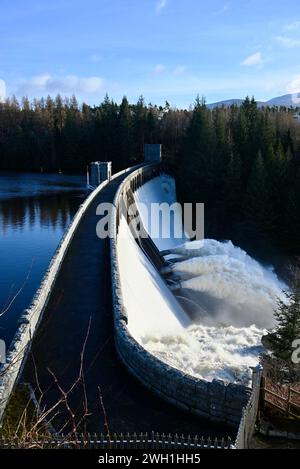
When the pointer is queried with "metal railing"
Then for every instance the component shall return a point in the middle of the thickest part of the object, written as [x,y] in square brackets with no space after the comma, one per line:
[118,441]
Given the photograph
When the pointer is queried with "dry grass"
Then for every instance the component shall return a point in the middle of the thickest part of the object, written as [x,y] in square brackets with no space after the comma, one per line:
[27,421]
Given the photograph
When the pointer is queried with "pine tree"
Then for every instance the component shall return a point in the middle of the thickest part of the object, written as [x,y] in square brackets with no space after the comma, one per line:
[198,150]
[124,134]
[288,323]
[233,188]
[257,206]
[59,113]
[248,136]
[221,155]
[290,221]
[106,129]
[139,126]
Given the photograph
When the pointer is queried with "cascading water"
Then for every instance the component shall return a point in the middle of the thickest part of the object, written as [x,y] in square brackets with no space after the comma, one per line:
[229,285]
[229,297]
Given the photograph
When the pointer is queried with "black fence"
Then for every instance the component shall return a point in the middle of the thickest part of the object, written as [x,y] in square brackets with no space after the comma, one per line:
[129,441]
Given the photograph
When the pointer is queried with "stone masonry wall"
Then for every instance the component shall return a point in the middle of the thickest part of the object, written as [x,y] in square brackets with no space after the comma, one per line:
[214,400]
[28,322]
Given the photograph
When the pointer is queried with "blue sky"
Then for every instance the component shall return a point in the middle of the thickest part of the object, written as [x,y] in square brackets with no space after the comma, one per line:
[164,49]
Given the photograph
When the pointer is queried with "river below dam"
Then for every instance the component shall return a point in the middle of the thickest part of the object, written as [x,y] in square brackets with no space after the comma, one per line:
[35,210]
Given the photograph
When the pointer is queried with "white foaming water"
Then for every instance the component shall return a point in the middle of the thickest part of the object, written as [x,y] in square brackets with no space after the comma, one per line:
[223,352]
[233,299]
[230,298]
[233,287]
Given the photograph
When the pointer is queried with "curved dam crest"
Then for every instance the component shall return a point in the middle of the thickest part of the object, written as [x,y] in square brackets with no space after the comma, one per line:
[63,303]
[32,316]
[81,295]
[215,400]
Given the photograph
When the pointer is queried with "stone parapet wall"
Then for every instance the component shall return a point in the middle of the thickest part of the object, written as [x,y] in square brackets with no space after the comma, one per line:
[216,400]
[28,322]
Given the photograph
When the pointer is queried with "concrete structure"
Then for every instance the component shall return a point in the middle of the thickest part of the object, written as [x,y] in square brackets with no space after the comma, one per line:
[10,371]
[81,299]
[2,351]
[249,416]
[152,153]
[216,400]
[81,292]
[100,171]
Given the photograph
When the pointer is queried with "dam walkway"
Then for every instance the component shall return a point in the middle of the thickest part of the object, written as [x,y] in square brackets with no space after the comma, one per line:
[73,360]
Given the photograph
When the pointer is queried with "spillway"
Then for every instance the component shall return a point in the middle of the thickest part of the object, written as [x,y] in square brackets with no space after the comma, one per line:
[223,305]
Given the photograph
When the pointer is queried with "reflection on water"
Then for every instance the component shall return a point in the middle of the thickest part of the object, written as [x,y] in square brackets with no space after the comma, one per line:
[46,211]
[35,210]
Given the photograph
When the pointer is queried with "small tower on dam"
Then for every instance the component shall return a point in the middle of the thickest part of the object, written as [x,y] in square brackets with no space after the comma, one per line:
[152,152]
[99,172]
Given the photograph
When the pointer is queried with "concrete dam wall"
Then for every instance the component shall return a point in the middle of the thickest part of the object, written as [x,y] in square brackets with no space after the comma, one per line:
[215,400]
[18,351]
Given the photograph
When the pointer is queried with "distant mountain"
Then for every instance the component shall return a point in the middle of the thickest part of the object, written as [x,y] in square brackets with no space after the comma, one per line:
[288,100]
[226,103]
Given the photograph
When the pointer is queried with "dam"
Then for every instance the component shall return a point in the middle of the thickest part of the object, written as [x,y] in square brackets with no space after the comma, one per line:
[77,329]
[74,360]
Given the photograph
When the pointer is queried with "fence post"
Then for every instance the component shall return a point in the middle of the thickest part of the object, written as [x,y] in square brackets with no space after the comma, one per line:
[289,398]
[116,441]
[263,392]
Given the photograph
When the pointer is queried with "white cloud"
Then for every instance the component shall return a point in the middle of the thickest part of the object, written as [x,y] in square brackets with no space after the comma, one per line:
[293,26]
[2,90]
[38,83]
[160,5]
[288,42]
[159,68]
[253,60]
[179,70]
[294,85]
[43,84]
[222,10]
[96,58]
[294,88]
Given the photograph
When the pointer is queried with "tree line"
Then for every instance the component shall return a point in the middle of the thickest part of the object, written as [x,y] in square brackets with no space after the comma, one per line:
[242,162]
[58,134]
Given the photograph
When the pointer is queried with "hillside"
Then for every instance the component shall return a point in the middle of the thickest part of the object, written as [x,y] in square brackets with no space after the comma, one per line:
[287,100]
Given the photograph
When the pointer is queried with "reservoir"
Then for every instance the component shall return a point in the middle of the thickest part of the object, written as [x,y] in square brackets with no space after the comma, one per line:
[35,210]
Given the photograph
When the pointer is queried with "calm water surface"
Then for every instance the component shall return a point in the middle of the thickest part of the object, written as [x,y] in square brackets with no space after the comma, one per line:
[35,210]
